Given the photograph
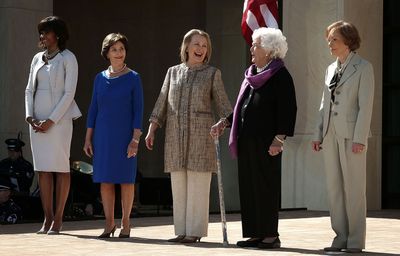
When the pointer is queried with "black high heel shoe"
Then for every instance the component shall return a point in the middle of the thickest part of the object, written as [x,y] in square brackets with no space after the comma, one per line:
[190,239]
[107,235]
[122,235]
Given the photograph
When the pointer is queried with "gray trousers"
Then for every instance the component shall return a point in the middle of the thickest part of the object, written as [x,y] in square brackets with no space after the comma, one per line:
[191,197]
[346,181]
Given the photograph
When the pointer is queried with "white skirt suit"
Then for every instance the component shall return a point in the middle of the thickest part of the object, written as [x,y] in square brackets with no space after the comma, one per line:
[50,95]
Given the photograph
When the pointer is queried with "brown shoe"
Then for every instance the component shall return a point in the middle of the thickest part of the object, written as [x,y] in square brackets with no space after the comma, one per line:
[190,239]
[176,239]
[332,249]
[353,250]
[108,234]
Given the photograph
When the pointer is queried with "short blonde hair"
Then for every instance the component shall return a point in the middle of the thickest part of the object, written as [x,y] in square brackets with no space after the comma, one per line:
[273,40]
[186,41]
[110,40]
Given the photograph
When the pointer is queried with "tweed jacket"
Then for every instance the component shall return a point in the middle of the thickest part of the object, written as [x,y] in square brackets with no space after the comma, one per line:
[351,112]
[63,80]
[185,106]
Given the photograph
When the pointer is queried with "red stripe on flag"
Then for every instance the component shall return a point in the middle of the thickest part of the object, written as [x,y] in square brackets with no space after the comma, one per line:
[256,18]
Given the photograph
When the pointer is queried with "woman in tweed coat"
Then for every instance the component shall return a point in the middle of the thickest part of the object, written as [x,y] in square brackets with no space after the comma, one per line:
[185,107]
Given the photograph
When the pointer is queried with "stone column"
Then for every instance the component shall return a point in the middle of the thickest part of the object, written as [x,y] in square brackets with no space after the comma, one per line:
[231,56]
[18,21]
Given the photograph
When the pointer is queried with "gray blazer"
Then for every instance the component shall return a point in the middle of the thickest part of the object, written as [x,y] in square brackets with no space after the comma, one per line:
[352,109]
[63,80]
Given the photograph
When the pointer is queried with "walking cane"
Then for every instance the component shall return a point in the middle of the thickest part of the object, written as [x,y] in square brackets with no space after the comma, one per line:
[221,194]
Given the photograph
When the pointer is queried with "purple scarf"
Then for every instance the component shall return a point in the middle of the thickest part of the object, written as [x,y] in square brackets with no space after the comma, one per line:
[255,82]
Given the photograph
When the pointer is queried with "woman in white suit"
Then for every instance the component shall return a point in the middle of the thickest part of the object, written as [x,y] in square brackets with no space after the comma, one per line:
[343,128]
[50,109]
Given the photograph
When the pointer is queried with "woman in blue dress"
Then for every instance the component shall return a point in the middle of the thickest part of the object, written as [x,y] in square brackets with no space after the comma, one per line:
[113,131]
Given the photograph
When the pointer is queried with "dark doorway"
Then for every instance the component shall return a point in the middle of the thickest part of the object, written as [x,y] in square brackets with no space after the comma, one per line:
[154,29]
[391,107]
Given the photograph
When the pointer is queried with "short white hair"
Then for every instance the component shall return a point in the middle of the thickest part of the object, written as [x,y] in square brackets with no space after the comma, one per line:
[272,40]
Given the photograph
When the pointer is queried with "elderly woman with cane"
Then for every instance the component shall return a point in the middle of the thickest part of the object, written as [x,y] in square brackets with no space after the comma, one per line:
[264,114]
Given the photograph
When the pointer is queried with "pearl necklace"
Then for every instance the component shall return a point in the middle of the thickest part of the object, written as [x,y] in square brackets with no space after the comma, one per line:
[263,67]
[48,56]
[116,72]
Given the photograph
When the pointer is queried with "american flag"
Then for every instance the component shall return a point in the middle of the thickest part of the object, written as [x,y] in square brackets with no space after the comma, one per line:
[258,13]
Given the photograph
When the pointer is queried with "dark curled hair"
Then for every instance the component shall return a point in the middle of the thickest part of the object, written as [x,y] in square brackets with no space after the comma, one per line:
[56,25]
[112,39]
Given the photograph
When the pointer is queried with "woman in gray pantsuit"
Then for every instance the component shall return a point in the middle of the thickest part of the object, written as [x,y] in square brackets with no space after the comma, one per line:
[343,128]
[185,106]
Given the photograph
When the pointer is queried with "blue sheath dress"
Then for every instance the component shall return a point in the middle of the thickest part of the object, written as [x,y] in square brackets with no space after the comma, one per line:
[115,111]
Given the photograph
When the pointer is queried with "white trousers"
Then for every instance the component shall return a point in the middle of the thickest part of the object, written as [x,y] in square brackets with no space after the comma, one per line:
[346,181]
[191,197]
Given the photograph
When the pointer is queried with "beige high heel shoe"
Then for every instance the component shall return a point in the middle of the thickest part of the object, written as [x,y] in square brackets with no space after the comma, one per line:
[44,230]
[54,231]
[176,239]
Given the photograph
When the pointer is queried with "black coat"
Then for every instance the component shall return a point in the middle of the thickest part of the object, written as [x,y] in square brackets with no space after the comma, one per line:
[272,109]
[269,111]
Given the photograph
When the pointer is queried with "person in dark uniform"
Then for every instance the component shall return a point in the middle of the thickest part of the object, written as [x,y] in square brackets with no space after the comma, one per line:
[19,172]
[10,212]
[15,168]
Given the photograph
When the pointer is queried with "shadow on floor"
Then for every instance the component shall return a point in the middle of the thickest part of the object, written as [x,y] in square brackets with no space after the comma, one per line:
[214,245]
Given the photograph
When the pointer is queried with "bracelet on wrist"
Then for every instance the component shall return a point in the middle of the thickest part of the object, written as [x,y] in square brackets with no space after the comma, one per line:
[224,121]
[279,139]
[135,140]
